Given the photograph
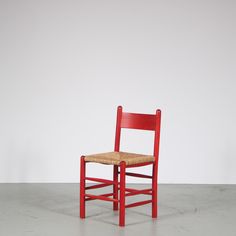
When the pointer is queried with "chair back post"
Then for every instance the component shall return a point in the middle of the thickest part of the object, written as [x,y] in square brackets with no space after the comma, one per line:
[118,129]
[157,135]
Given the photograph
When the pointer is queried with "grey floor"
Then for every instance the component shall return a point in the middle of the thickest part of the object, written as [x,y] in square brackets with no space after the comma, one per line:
[53,209]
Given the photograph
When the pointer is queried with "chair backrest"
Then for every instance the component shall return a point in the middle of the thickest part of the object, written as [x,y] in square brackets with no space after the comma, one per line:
[138,121]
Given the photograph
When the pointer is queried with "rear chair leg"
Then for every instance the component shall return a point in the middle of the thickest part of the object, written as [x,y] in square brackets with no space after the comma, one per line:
[115,187]
[154,191]
[82,187]
[122,194]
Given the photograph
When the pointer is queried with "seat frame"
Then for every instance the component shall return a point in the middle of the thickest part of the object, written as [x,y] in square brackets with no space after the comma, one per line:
[120,192]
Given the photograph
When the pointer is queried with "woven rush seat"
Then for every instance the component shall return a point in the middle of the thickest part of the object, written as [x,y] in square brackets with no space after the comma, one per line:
[115,158]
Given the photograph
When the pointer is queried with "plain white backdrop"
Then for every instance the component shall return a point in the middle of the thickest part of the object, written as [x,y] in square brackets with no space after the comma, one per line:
[66,65]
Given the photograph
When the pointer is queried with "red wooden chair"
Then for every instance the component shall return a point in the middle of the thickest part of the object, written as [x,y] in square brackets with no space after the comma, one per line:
[121,161]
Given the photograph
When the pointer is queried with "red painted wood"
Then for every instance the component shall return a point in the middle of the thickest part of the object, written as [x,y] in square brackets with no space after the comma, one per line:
[136,192]
[82,187]
[131,190]
[106,181]
[104,195]
[98,186]
[138,203]
[138,175]
[155,165]
[118,129]
[138,121]
[139,165]
[100,197]
[115,187]
[157,134]
[122,194]
[117,149]
[154,191]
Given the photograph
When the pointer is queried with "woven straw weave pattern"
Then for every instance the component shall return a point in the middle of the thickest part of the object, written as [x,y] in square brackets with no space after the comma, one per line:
[114,158]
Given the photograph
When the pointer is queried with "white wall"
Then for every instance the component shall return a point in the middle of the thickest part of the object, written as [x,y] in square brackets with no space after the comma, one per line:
[66,65]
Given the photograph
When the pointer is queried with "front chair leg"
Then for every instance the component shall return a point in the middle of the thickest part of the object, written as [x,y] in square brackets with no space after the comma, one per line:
[154,191]
[82,187]
[122,194]
[115,187]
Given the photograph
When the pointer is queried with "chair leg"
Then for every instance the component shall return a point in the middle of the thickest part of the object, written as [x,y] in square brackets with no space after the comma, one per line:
[82,187]
[154,189]
[122,194]
[115,187]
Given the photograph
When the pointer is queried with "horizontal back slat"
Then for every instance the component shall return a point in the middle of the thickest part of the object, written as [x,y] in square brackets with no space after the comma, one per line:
[138,121]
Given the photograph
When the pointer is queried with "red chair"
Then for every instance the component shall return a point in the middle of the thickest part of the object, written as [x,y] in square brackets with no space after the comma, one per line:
[121,161]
